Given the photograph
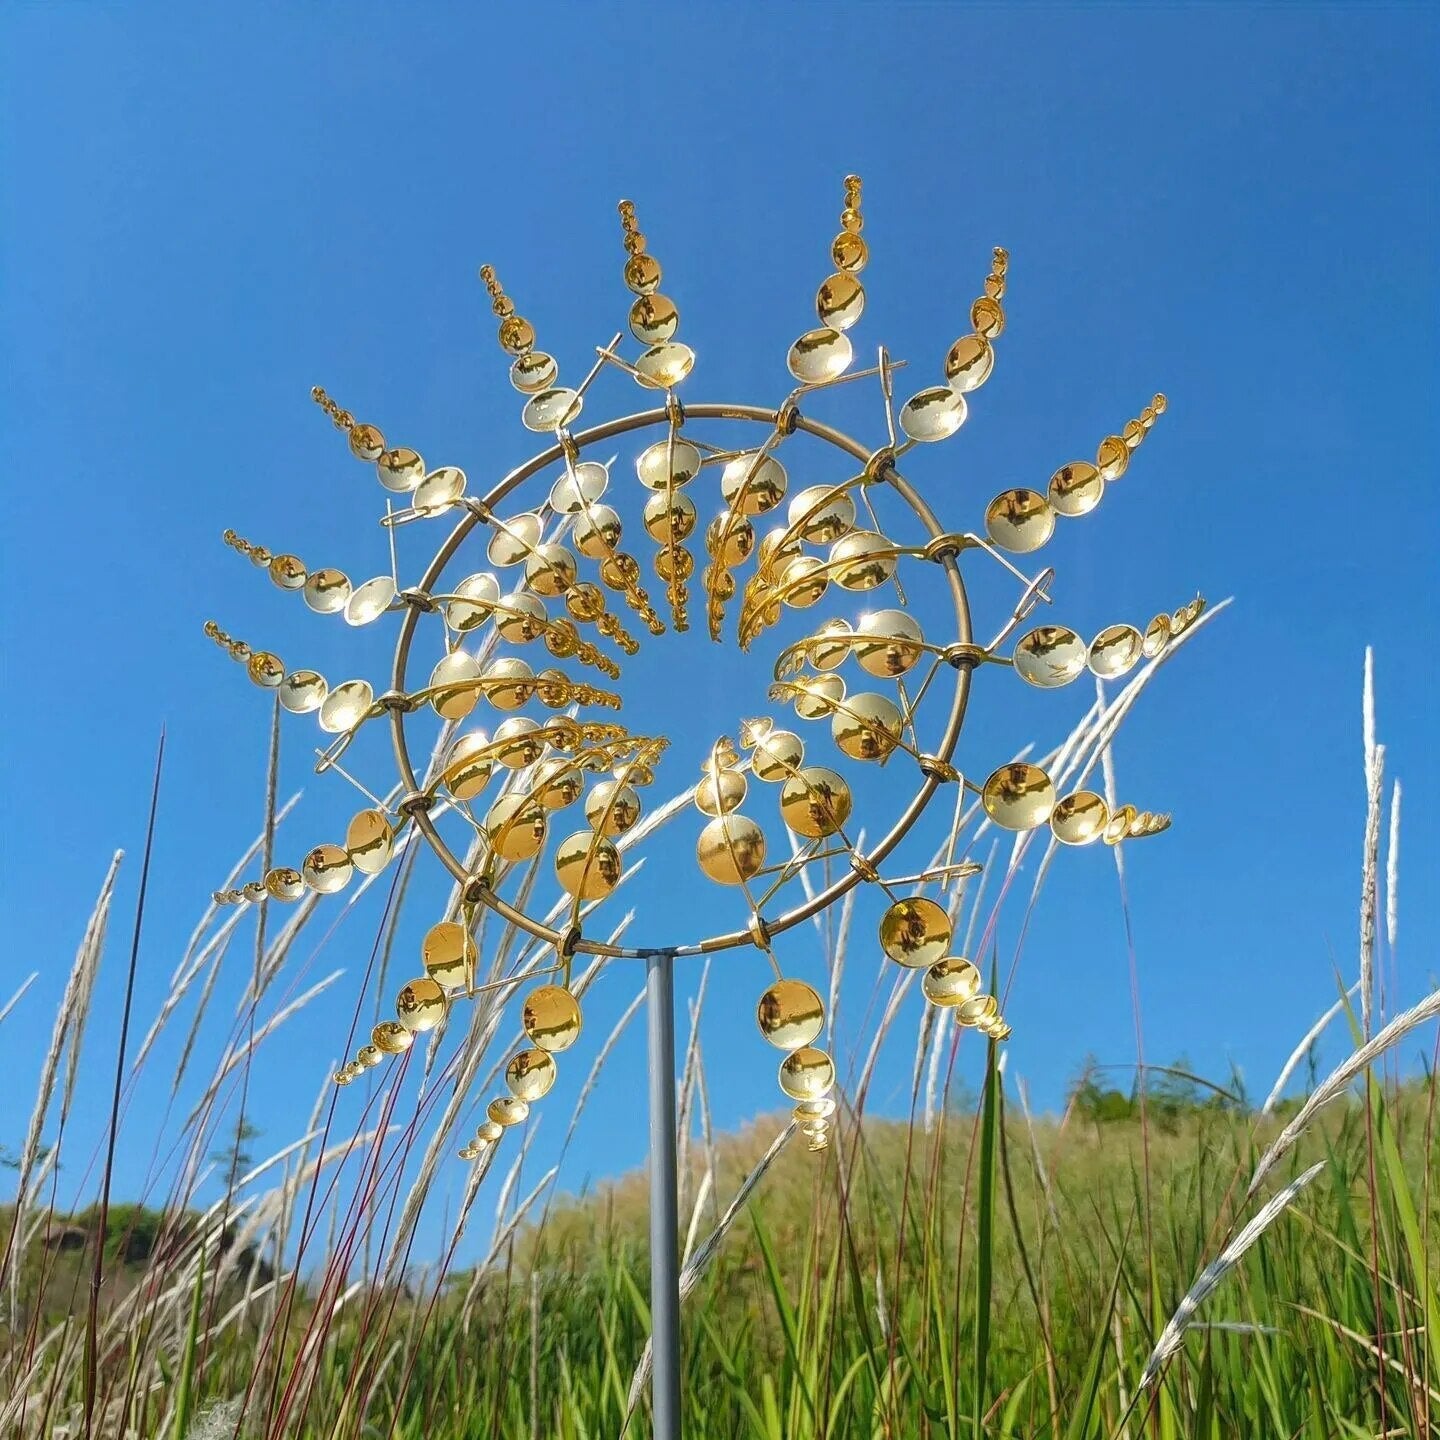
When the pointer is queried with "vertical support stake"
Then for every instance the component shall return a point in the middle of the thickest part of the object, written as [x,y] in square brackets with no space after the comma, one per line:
[664,1213]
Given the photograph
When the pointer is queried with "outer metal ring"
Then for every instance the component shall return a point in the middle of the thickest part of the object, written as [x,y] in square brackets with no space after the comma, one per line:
[852,876]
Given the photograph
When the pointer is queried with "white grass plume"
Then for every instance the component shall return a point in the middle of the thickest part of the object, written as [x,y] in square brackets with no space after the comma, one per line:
[1335,1082]
[1298,1053]
[1173,1335]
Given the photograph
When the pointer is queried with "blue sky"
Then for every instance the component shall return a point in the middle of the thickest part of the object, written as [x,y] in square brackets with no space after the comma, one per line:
[208,210]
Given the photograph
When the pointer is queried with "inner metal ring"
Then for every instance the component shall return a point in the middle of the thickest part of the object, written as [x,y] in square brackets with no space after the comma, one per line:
[852,875]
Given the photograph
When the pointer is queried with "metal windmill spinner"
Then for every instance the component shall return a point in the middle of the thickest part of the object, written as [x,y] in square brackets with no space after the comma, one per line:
[557,577]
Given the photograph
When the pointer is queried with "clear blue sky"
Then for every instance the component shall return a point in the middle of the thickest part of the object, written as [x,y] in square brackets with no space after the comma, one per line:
[209,209]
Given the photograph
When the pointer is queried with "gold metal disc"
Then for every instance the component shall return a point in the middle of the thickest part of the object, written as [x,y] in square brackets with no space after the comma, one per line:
[822,514]
[790,1014]
[815,802]
[1112,457]
[550,409]
[457,699]
[326,591]
[777,755]
[439,490]
[762,478]
[978,1010]
[1019,521]
[467,770]
[663,366]
[1157,636]
[326,869]
[551,1018]
[421,1005]
[515,825]
[720,793]
[346,706]
[514,539]
[653,319]
[530,1074]
[951,981]
[935,413]
[400,469]
[802,581]
[820,355]
[1080,818]
[1076,489]
[731,849]
[507,1110]
[668,518]
[840,301]
[265,670]
[849,252]
[733,539]
[915,932]
[862,560]
[518,742]
[612,806]
[287,571]
[488,1132]
[807,1074]
[534,372]
[891,645]
[577,489]
[448,952]
[1018,796]
[868,727]
[969,363]
[284,883]
[1115,650]
[391,1037]
[370,601]
[369,1056]
[302,691]
[820,1108]
[652,469]
[369,841]
[587,865]
[1050,656]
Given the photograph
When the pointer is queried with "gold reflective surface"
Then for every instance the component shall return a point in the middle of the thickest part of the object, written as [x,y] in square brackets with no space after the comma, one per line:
[753,483]
[326,591]
[951,981]
[790,1014]
[1019,521]
[421,1005]
[1018,796]
[862,560]
[448,953]
[326,869]
[551,1018]
[391,1037]
[1050,655]
[507,1110]
[369,841]
[720,793]
[915,932]
[820,355]
[400,469]
[933,414]
[969,363]
[891,643]
[530,1074]
[515,825]
[587,865]
[867,727]
[840,301]
[777,755]
[284,883]
[1079,818]
[807,1074]
[731,849]
[1115,650]
[815,802]
[1075,489]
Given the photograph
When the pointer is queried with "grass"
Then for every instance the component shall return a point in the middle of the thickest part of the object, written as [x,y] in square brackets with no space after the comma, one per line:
[1169,1261]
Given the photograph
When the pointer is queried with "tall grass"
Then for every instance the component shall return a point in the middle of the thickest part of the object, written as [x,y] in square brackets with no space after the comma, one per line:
[973,1270]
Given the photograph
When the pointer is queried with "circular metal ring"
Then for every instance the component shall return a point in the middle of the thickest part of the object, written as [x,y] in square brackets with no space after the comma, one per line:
[641,420]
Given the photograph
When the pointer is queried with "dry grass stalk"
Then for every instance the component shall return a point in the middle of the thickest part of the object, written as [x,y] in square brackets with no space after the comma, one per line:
[1173,1335]
[1300,1051]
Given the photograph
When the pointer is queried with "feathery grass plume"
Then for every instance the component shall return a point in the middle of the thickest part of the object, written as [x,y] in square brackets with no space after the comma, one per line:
[1173,1335]
[71,1016]
[1335,1082]
[1392,873]
[1370,885]
[700,1261]
[1300,1051]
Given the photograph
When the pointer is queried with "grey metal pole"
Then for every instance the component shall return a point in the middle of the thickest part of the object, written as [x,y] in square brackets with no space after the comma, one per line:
[664,1202]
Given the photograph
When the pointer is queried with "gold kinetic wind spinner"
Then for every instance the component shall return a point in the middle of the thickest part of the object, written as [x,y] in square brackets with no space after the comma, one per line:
[492,801]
